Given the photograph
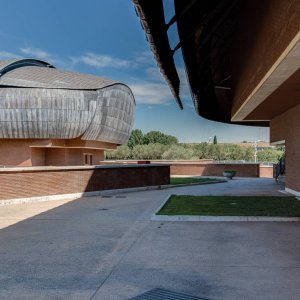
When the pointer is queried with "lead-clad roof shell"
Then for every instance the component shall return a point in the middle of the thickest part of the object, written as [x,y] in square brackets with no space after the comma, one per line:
[39,101]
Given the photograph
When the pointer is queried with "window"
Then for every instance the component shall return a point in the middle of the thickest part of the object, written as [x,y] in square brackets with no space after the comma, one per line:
[87,159]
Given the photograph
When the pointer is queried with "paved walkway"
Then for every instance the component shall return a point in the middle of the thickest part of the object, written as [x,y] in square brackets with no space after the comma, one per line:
[107,248]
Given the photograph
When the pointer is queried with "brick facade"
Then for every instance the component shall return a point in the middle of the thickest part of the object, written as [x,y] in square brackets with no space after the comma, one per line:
[266,171]
[243,170]
[39,152]
[208,168]
[46,181]
[285,128]
[262,36]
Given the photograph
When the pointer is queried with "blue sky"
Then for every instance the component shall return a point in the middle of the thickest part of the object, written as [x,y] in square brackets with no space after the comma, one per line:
[105,38]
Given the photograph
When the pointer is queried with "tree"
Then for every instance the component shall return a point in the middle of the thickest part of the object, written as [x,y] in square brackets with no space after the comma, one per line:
[187,151]
[248,153]
[213,152]
[215,140]
[200,150]
[157,137]
[150,151]
[136,138]
[269,155]
[178,152]
[122,152]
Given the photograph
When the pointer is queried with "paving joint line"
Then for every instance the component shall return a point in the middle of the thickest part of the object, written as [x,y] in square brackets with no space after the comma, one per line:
[119,262]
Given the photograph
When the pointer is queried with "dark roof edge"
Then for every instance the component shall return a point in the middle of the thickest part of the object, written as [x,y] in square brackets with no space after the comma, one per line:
[25,62]
[159,42]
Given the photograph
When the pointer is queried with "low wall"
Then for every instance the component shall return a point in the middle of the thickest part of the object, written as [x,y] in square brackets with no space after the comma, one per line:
[266,171]
[47,181]
[207,167]
[242,170]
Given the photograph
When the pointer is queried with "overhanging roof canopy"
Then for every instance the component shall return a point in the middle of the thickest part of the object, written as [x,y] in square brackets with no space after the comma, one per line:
[206,31]
[152,18]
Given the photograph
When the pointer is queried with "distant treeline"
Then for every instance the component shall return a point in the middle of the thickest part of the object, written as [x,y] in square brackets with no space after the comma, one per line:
[157,145]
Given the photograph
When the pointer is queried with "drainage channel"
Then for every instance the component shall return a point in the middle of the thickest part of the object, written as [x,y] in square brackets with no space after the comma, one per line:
[162,294]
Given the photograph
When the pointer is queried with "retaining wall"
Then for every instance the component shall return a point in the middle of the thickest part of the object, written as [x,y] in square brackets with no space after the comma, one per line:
[207,168]
[47,181]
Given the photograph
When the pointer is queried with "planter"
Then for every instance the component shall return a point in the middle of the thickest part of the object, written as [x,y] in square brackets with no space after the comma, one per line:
[229,174]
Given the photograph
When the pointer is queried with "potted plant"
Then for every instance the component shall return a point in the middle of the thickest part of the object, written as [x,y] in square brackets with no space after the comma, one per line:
[229,174]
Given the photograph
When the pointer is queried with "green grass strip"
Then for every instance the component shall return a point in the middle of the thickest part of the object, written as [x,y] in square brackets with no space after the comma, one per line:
[231,206]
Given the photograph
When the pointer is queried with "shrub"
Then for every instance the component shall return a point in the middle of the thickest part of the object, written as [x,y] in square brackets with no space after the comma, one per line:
[122,152]
[178,152]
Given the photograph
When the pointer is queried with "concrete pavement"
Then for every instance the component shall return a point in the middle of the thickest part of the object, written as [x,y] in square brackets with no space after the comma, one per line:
[107,248]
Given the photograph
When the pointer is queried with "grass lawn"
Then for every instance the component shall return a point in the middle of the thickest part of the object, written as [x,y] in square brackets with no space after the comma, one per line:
[185,180]
[231,206]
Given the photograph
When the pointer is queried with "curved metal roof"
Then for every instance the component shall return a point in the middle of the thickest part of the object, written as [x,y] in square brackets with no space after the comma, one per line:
[39,74]
[11,64]
[6,62]
[39,101]
[32,113]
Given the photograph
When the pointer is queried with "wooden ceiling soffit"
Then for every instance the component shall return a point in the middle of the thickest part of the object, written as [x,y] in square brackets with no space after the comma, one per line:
[151,14]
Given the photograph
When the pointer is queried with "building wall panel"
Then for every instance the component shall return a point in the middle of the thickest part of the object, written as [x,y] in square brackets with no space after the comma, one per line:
[286,127]
[266,29]
[64,114]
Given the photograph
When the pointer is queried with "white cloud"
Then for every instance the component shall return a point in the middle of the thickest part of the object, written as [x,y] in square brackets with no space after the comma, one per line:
[29,52]
[36,53]
[8,55]
[151,93]
[101,61]
[145,58]
[152,90]
[156,90]
[153,73]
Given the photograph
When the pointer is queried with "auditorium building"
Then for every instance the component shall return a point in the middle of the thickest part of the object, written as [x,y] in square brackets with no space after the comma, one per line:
[50,117]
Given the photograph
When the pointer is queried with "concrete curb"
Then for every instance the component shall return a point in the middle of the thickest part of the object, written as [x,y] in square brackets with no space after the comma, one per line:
[292,192]
[184,218]
[223,219]
[75,196]
[154,215]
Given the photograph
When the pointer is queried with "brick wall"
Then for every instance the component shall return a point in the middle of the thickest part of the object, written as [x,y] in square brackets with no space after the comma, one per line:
[33,152]
[266,171]
[242,170]
[15,152]
[46,181]
[286,128]
[207,168]
[71,157]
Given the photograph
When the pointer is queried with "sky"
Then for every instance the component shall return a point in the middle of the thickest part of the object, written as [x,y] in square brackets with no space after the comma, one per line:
[105,38]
